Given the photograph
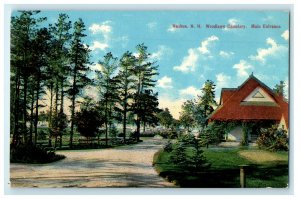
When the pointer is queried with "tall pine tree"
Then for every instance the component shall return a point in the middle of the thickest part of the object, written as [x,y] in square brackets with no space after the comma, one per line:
[79,59]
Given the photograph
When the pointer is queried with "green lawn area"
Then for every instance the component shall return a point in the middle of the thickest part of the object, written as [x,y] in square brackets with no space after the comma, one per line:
[266,169]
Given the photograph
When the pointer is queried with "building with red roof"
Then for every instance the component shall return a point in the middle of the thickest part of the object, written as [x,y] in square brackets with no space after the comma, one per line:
[253,101]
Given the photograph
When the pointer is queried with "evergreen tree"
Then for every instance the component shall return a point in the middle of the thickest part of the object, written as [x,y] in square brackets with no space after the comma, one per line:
[126,86]
[186,117]
[204,106]
[60,68]
[279,88]
[144,71]
[40,62]
[24,28]
[149,105]
[79,59]
[108,88]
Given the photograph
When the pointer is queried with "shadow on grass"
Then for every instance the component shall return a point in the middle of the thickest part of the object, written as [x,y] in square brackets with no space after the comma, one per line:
[257,176]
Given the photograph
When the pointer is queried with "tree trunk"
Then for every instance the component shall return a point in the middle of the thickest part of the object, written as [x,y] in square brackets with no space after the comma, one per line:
[25,108]
[138,127]
[106,123]
[16,111]
[31,116]
[50,113]
[72,120]
[36,109]
[61,105]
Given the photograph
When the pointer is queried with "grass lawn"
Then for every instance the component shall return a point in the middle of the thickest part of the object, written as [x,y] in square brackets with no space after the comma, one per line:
[266,169]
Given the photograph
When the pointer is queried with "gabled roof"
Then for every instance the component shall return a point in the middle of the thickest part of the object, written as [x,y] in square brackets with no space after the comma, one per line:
[233,108]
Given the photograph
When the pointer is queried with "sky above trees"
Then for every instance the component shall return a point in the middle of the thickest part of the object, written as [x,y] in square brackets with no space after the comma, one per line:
[187,57]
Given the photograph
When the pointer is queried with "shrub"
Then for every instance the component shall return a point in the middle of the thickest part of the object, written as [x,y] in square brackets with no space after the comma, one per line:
[168,147]
[29,153]
[273,139]
[186,153]
[113,131]
[88,122]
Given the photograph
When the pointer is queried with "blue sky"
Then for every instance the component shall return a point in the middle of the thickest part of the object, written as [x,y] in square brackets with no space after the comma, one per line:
[187,57]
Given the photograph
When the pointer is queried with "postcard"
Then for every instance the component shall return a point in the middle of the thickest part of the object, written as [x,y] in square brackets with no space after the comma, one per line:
[155,99]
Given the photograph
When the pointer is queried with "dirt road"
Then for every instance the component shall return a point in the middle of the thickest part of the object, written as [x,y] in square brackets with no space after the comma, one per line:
[126,166]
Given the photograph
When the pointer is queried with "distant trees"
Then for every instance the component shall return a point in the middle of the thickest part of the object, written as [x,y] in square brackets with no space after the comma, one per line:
[279,88]
[196,111]
[165,118]
[187,116]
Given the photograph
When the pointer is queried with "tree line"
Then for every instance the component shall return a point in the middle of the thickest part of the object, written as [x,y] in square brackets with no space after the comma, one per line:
[54,61]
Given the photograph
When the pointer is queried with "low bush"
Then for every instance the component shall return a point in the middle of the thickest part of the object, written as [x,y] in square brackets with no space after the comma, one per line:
[29,153]
[273,139]
[186,154]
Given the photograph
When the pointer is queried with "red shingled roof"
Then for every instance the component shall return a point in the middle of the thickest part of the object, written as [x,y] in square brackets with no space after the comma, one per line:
[232,109]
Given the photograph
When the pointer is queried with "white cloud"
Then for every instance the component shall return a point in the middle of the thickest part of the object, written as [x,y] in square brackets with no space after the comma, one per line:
[190,91]
[174,105]
[152,25]
[205,43]
[222,80]
[225,54]
[285,35]
[263,53]
[242,68]
[103,28]
[232,22]
[165,82]
[98,45]
[172,29]
[92,92]
[96,67]
[189,62]
[162,52]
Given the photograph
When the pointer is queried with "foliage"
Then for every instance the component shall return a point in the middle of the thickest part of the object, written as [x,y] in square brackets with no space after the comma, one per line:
[214,132]
[88,120]
[205,103]
[165,118]
[168,146]
[279,88]
[60,123]
[113,131]
[79,60]
[28,153]
[186,117]
[185,153]
[196,111]
[125,81]
[273,139]
[144,72]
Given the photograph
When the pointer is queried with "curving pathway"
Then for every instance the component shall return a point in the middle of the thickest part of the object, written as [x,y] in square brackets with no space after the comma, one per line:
[126,166]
